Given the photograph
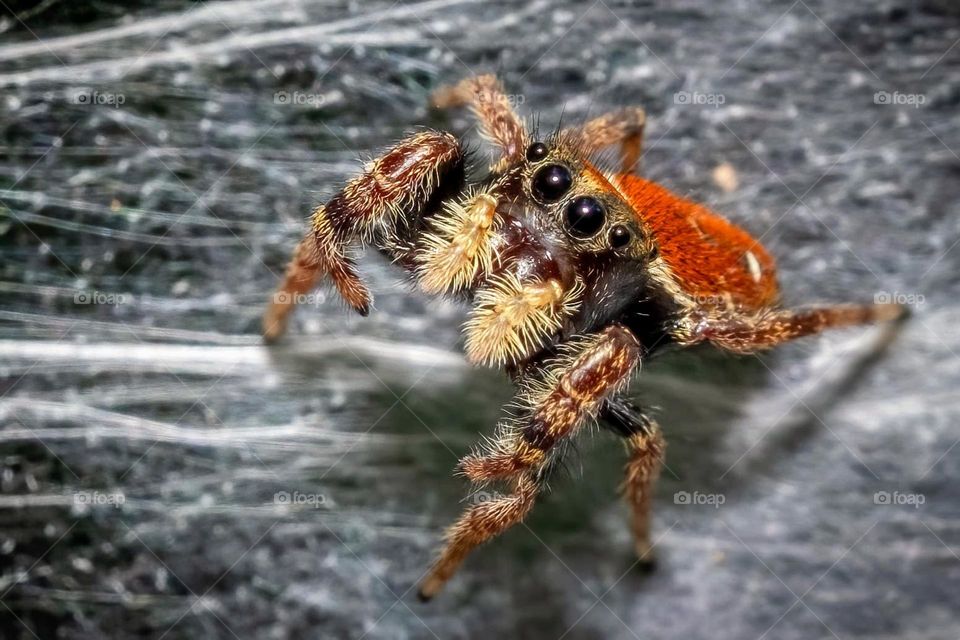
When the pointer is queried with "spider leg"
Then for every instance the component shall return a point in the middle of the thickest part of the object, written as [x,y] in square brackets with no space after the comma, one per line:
[491,106]
[645,446]
[300,278]
[555,401]
[367,209]
[479,523]
[569,393]
[623,127]
[746,334]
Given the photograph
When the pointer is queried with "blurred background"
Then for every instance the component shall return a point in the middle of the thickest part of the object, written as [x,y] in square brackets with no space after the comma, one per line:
[164,475]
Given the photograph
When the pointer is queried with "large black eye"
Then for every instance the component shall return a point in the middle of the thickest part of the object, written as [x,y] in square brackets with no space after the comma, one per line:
[584,216]
[551,182]
[537,152]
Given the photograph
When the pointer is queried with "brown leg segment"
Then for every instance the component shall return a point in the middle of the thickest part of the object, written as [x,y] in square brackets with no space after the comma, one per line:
[565,396]
[645,446]
[366,209]
[491,105]
[478,524]
[646,449]
[623,127]
[302,274]
[569,393]
[746,334]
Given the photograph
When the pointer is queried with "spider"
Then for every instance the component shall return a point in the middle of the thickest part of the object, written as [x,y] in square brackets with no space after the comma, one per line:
[576,272]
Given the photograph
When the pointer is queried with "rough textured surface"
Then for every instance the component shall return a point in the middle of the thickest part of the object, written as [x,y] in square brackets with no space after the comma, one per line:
[171,216]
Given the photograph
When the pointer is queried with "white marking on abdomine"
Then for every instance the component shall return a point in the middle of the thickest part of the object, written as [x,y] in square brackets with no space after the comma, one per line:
[753,265]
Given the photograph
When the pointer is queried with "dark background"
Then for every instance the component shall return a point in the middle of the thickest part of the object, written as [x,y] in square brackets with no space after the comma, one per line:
[153,183]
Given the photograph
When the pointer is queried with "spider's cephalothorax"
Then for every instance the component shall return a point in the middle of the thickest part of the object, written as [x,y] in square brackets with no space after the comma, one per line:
[575,275]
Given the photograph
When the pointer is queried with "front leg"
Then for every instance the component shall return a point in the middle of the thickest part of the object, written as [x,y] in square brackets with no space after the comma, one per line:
[623,127]
[368,208]
[491,106]
[554,404]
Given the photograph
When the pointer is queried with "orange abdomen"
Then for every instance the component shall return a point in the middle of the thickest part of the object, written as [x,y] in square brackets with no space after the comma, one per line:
[712,259]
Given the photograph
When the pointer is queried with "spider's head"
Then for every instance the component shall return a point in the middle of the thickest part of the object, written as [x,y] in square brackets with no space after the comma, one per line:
[589,214]
[596,227]
[570,254]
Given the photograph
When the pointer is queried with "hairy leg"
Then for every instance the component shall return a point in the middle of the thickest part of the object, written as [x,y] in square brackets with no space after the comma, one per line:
[623,127]
[568,394]
[300,278]
[366,209]
[645,447]
[747,334]
[479,523]
[490,104]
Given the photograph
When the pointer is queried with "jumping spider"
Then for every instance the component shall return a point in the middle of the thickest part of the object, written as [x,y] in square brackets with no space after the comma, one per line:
[576,275]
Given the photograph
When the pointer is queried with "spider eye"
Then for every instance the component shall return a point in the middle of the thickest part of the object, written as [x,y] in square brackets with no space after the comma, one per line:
[619,236]
[585,216]
[551,182]
[537,152]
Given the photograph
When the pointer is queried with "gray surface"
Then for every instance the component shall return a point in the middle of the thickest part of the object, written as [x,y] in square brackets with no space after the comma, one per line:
[188,198]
